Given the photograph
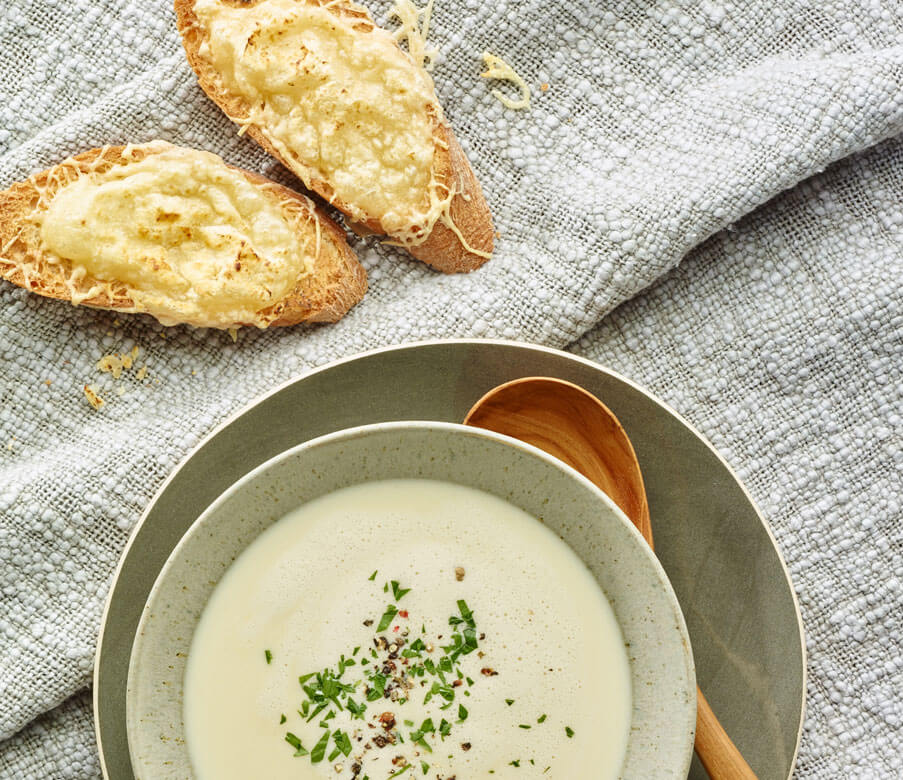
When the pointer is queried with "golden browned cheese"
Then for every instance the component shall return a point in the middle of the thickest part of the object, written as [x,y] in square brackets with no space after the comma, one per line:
[194,238]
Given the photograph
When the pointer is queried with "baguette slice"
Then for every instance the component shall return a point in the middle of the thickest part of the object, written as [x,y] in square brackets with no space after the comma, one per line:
[456,238]
[330,282]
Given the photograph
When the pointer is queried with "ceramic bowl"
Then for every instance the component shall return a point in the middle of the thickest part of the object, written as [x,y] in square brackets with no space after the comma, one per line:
[661,665]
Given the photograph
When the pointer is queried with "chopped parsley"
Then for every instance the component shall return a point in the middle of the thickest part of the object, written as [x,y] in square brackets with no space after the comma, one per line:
[295,743]
[397,591]
[319,751]
[387,618]
[372,683]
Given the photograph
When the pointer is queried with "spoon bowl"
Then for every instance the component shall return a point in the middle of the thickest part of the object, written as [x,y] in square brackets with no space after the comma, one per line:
[566,421]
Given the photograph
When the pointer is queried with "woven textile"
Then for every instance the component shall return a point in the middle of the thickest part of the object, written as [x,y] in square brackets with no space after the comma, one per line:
[782,339]
[663,124]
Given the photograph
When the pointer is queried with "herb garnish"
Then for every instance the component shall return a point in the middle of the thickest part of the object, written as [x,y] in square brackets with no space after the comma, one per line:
[397,591]
[372,685]
[387,618]
[319,751]
[296,744]
[268,655]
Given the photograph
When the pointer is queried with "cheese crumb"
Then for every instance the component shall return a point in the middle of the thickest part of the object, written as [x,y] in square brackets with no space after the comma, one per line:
[93,398]
[111,364]
[497,68]
[115,363]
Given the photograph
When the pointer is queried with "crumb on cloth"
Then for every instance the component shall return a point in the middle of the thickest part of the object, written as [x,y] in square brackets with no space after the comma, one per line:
[115,364]
[93,398]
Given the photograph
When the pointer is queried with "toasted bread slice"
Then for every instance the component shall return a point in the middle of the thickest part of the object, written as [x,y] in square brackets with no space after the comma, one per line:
[333,97]
[182,249]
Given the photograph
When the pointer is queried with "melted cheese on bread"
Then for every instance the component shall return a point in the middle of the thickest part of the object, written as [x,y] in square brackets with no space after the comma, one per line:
[339,101]
[193,239]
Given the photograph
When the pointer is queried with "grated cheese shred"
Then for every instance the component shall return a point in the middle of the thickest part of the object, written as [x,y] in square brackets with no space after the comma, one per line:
[446,219]
[498,69]
[415,26]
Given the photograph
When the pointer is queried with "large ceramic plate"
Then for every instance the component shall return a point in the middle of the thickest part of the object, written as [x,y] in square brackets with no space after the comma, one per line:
[721,558]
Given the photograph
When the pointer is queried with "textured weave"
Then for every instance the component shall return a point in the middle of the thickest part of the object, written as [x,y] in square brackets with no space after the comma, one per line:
[664,122]
[797,381]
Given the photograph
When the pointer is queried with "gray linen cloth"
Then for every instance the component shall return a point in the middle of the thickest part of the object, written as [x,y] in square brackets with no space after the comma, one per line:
[665,127]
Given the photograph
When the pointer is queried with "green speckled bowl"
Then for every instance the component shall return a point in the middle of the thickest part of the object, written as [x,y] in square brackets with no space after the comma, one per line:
[662,672]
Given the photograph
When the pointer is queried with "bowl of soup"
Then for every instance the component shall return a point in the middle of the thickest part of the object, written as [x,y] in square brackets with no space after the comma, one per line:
[411,599]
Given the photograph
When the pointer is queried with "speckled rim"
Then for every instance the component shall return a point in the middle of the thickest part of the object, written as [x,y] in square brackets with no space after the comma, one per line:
[685,710]
[521,346]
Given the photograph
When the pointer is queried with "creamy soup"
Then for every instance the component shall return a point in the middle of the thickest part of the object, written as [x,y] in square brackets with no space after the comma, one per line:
[407,628]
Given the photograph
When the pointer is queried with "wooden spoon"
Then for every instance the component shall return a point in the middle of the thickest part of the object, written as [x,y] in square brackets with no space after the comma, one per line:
[573,425]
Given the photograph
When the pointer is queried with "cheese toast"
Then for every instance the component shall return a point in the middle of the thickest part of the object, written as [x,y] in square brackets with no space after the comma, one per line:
[178,234]
[334,97]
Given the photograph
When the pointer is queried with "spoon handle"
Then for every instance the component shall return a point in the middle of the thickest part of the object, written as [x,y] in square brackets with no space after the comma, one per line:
[717,753]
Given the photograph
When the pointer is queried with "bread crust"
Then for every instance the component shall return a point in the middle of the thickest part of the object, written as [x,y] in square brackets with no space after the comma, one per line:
[336,283]
[468,210]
